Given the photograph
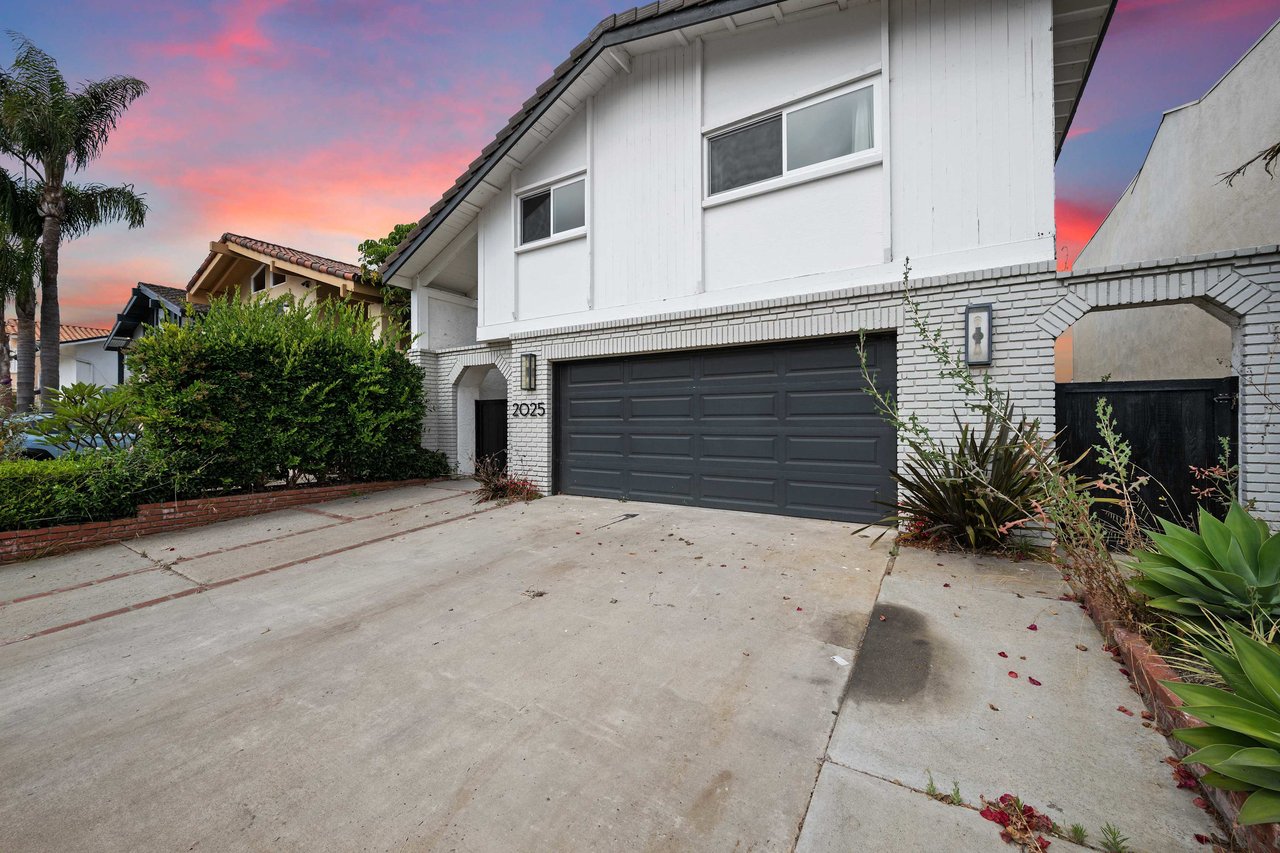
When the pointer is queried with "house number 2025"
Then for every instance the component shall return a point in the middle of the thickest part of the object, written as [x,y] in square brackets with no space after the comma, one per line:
[528,410]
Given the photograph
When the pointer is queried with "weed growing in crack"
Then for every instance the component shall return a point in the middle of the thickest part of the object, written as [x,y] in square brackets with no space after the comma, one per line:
[1113,841]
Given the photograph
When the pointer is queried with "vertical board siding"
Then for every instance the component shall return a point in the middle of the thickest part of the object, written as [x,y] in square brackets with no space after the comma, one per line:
[645,230]
[971,100]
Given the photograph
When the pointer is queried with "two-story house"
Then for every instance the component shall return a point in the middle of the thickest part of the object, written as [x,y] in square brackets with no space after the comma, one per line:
[656,275]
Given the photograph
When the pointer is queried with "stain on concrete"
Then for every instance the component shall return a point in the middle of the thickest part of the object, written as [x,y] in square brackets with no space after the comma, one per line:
[844,630]
[707,809]
[894,663]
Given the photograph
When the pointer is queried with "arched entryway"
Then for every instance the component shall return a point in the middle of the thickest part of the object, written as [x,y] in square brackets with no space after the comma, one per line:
[1166,372]
[480,407]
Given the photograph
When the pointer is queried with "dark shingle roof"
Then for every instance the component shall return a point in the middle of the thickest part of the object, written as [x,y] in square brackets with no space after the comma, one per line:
[320,264]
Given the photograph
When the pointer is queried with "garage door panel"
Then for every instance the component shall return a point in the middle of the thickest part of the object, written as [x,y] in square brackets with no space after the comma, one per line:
[581,373]
[662,407]
[668,446]
[835,450]
[607,408]
[653,370]
[763,448]
[782,428]
[739,406]
[661,484]
[742,492]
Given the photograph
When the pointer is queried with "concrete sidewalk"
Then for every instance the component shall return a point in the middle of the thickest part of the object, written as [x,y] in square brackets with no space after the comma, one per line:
[932,693]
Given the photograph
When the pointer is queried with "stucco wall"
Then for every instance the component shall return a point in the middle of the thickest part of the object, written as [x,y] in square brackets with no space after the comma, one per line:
[1156,342]
[1177,204]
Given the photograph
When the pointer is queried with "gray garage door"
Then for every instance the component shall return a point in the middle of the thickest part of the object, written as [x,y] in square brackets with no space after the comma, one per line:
[778,428]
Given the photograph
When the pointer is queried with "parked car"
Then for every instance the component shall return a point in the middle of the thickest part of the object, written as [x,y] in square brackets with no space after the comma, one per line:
[36,446]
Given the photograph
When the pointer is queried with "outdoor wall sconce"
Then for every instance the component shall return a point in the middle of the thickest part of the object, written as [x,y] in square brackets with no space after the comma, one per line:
[977,335]
[529,372]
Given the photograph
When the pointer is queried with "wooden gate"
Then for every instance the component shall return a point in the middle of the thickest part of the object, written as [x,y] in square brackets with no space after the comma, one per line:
[1170,424]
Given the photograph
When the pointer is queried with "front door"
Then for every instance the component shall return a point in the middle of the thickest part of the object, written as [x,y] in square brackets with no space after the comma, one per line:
[491,431]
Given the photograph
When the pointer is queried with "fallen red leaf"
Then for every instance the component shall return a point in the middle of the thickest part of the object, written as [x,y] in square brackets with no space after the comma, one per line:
[1123,710]
[946,586]
[1013,674]
[1199,802]
[1124,672]
[1202,839]
[1033,627]
[1033,681]
[799,608]
[1003,654]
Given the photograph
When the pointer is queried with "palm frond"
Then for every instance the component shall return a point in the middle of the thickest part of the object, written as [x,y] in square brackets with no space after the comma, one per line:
[98,107]
[91,205]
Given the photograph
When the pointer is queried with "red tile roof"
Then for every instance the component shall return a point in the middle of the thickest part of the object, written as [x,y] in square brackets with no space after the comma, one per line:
[327,266]
[69,334]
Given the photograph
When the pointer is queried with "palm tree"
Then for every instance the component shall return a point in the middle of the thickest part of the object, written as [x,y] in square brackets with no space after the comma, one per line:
[19,260]
[51,130]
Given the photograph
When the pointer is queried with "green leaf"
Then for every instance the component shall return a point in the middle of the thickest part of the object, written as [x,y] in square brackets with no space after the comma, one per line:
[1172,603]
[1199,695]
[1229,582]
[1269,560]
[1182,582]
[1215,779]
[1244,529]
[1240,565]
[1261,807]
[1195,556]
[1233,674]
[1213,755]
[1201,736]
[1261,726]
[1217,538]
[1261,665]
[1257,765]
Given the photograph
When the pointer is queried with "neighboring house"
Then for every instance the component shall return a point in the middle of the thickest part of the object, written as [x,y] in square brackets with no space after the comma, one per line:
[82,359]
[149,305]
[1178,205]
[651,284]
[248,268]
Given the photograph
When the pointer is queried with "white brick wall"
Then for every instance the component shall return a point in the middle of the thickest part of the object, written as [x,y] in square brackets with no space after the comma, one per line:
[1032,305]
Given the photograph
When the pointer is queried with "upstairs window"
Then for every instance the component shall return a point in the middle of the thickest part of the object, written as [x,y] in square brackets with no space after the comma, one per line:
[259,281]
[821,130]
[277,279]
[557,210]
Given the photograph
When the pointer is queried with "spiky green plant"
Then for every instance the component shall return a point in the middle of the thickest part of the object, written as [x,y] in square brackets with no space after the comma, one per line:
[1230,568]
[1240,745]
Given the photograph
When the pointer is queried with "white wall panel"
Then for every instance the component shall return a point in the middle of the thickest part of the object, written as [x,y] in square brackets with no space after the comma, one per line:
[553,280]
[496,245]
[746,73]
[565,151]
[648,170]
[971,94]
[830,224]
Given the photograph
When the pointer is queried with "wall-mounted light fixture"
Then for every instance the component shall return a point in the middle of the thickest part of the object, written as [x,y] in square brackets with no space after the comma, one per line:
[529,372]
[977,335]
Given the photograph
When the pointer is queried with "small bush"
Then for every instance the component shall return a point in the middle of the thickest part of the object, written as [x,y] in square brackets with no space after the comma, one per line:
[78,487]
[497,484]
[976,492]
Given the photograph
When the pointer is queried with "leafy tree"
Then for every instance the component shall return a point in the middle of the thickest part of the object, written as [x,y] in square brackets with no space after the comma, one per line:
[53,130]
[19,262]
[373,254]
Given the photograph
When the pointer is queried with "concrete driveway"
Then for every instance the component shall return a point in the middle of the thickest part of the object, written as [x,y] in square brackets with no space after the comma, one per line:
[408,670]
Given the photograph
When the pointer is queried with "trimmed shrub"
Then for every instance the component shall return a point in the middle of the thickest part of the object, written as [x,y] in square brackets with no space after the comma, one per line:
[279,391]
[78,487]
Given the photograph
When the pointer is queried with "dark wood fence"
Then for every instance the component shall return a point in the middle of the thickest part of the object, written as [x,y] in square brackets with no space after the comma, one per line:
[1170,424]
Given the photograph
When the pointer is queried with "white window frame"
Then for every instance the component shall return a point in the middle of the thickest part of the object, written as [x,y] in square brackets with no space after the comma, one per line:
[266,279]
[790,177]
[550,186]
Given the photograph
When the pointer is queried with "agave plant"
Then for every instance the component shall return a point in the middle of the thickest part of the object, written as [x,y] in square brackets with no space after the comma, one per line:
[1241,743]
[1230,568]
[975,492]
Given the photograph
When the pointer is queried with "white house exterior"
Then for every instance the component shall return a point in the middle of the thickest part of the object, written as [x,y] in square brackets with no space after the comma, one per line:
[684,230]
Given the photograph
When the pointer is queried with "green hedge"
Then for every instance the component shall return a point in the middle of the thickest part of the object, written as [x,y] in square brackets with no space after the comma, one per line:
[267,391]
[92,486]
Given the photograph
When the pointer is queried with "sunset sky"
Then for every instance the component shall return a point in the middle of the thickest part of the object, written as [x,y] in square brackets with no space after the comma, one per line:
[318,123]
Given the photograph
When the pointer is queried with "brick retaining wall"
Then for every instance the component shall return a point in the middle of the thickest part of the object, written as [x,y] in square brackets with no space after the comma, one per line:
[164,517]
